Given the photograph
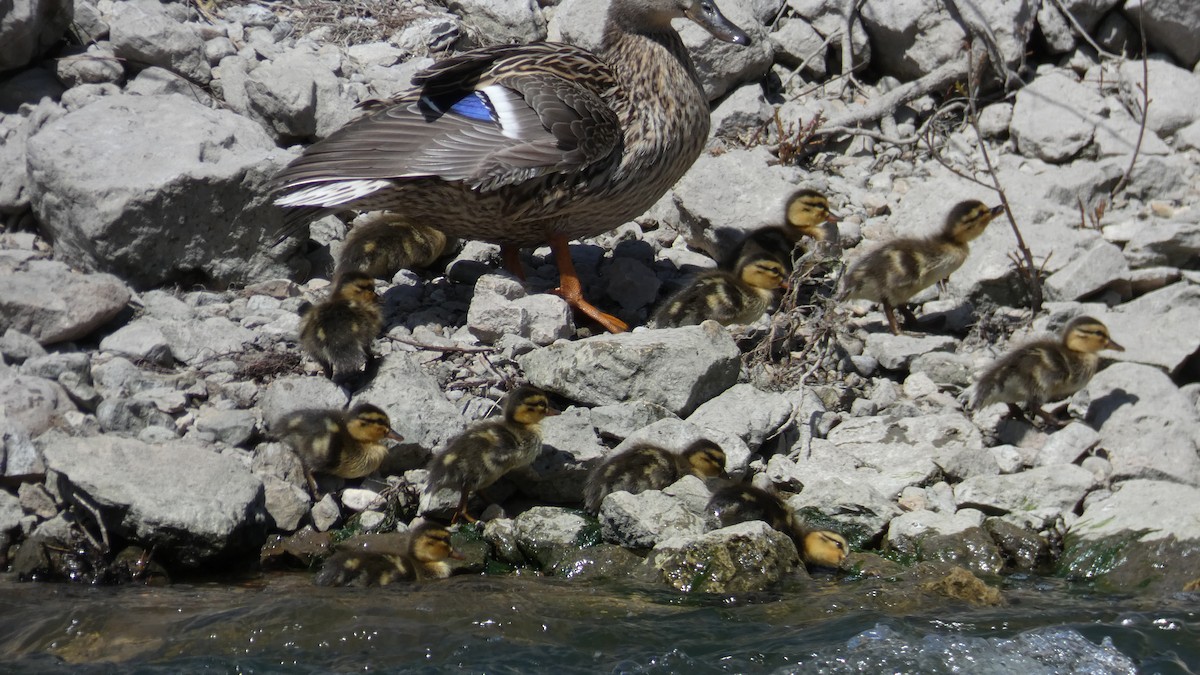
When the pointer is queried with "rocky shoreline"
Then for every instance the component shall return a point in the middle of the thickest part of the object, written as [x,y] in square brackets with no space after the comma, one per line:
[149,319]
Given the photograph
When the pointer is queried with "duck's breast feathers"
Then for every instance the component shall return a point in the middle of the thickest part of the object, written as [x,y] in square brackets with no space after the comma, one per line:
[490,117]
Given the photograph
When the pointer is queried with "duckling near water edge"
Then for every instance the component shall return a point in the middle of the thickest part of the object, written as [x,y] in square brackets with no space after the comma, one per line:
[738,297]
[338,332]
[487,450]
[806,214]
[343,443]
[1045,370]
[522,145]
[648,467]
[901,268]
[421,554]
[739,503]
[384,243]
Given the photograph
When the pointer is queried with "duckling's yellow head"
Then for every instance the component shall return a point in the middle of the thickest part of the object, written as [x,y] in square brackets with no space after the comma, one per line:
[967,220]
[765,272]
[1087,335]
[706,459]
[369,424]
[825,548]
[527,405]
[355,287]
[431,544]
[808,211]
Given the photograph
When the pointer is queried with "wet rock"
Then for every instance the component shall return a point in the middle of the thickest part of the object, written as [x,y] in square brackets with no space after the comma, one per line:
[305,548]
[416,407]
[545,534]
[1024,550]
[52,304]
[700,362]
[744,557]
[944,537]
[193,505]
[742,410]
[960,584]
[595,563]
[30,27]
[897,352]
[143,32]
[641,521]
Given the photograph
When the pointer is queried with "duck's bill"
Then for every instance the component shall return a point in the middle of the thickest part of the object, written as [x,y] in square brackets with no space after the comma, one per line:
[1114,346]
[395,436]
[709,17]
[997,210]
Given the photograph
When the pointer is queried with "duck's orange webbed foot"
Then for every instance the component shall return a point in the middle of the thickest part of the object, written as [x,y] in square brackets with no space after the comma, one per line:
[569,288]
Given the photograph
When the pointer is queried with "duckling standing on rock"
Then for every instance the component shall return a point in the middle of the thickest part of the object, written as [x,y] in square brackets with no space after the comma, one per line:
[345,444]
[385,243]
[901,268]
[487,450]
[337,332]
[422,555]
[648,467]
[739,503]
[522,145]
[1045,370]
[806,214]
[727,298]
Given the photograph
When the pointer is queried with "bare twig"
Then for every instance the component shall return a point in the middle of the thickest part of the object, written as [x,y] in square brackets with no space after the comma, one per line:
[1081,31]
[849,10]
[1144,87]
[453,349]
[940,77]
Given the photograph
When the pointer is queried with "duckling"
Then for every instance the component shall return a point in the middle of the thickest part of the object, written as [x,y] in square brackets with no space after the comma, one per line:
[901,268]
[806,214]
[385,243]
[421,554]
[738,503]
[343,443]
[487,450]
[648,467]
[1044,370]
[738,297]
[337,332]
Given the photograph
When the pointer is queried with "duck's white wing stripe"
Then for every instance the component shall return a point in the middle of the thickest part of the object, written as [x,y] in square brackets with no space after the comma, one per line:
[332,194]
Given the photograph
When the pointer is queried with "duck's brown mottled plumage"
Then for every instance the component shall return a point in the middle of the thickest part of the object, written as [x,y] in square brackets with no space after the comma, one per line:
[738,503]
[338,332]
[521,145]
[414,556]
[487,450]
[381,244]
[893,273]
[738,297]
[1045,370]
[649,467]
[806,214]
[339,442]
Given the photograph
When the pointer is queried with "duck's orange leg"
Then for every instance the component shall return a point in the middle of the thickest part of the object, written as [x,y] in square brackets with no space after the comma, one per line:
[570,290]
[890,313]
[512,260]
[461,511]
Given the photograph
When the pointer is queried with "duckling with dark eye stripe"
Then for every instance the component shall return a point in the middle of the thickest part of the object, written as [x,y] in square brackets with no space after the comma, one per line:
[727,298]
[1045,370]
[422,555]
[384,243]
[338,332]
[487,450]
[806,214]
[739,503]
[899,269]
[649,467]
[343,443]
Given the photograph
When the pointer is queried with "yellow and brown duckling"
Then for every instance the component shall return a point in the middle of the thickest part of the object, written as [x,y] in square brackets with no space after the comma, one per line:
[488,449]
[738,503]
[338,332]
[382,244]
[415,556]
[899,269]
[807,215]
[1045,370]
[344,443]
[728,298]
[649,467]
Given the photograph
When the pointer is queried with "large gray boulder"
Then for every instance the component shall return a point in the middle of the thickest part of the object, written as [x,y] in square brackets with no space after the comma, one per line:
[1054,117]
[50,303]
[1046,492]
[144,34]
[744,557]
[1171,25]
[749,413]
[30,27]
[193,505]
[1173,92]
[645,519]
[170,191]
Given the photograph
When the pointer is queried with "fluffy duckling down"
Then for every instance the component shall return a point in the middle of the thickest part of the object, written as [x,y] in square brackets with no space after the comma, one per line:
[899,269]
[381,244]
[1044,370]
[488,449]
[649,467]
[417,555]
[338,332]
[343,443]
[807,216]
[738,503]
[739,297]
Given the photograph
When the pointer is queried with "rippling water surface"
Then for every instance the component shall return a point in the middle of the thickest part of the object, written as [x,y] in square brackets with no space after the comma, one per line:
[512,624]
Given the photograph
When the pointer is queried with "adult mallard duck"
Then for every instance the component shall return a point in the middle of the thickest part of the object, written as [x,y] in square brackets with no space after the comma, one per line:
[649,467]
[339,442]
[414,556]
[738,503]
[1044,370]
[901,268]
[738,297]
[521,145]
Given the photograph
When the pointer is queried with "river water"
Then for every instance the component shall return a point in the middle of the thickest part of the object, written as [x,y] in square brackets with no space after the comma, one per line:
[520,624]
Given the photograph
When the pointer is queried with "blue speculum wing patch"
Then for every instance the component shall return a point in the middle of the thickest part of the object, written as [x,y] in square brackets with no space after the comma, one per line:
[475,106]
